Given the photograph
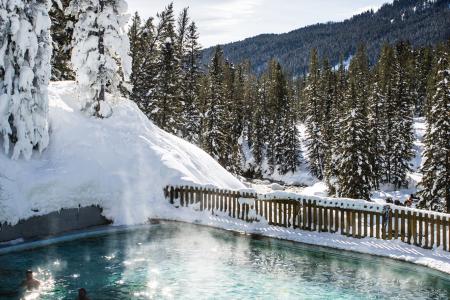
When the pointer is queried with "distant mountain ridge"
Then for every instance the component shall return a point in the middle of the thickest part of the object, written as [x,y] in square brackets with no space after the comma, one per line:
[422,22]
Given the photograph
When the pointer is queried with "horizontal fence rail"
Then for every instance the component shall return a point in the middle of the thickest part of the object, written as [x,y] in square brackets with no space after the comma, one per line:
[357,218]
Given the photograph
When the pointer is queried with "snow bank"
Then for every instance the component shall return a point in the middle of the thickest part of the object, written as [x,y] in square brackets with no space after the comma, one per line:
[121,163]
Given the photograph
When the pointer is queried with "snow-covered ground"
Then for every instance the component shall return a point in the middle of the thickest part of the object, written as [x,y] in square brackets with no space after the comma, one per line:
[121,163]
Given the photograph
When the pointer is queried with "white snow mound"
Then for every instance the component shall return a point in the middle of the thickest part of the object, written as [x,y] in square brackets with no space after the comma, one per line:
[121,163]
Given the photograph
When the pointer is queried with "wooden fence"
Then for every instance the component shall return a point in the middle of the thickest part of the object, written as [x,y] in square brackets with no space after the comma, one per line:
[419,227]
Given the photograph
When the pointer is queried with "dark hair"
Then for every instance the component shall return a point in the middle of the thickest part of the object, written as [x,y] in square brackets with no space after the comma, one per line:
[82,290]
[29,272]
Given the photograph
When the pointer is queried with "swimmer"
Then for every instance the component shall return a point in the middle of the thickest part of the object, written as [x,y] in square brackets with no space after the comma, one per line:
[30,283]
[82,294]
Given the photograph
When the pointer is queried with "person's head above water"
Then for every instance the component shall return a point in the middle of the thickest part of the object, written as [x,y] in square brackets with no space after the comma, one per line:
[29,274]
[82,292]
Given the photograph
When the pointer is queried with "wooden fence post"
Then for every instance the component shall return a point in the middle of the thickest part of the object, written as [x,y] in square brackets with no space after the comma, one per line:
[438,231]
[336,219]
[402,232]
[353,217]
[280,213]
[171,195]
[366,224]
[269,203]
[359,225]
[285,214]
[331,225]
[409,222]
[305,214]
[414,227]
[314,216]
[377,215]
[319,210]
[349,219]
[390,225]
[420,228]
[266,214]
[182,196]
[431,231]
[444,233]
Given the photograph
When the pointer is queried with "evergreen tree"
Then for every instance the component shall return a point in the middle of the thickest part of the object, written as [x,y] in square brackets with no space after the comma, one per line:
[25,51]
[167,105]
[234,122]
[314,109]
[214,112]
[290,151]
[100,54]
[334,127]
[61,32]
[381,114]
[138,55]
[423,68]
[353,156]
[259,126]
[190,86]
[401,136]
[143,50]
[329,110]
[436,166]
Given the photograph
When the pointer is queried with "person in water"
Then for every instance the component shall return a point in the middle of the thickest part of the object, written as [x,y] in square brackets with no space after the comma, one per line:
[30,283]
[82,294]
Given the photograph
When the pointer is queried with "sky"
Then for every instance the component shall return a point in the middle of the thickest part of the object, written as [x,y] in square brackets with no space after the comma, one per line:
[224,21]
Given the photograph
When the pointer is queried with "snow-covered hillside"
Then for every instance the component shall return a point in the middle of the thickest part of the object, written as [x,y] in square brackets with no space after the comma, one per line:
[121,163]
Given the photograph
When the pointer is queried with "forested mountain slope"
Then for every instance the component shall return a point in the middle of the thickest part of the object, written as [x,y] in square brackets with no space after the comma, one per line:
[422,22]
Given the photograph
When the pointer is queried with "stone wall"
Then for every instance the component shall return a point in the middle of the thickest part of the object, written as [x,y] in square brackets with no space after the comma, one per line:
[54,223]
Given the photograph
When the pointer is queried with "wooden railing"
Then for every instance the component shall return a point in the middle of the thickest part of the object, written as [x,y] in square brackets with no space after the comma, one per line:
[355,218]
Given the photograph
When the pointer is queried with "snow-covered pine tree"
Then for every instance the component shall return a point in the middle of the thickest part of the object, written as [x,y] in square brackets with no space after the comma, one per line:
[183,22]
[353,154]
[167,103]
[402,131]
[436,158]
[291,156]
[190,85]
[259,128]
[423,68]
[144,53]
[314,109]
[381,114]
[276,98]
[61,32]
[100,54]
[253,124]
[233,126]
[137,53]
[337,110]
[329,110]
[25,52]
[214,112]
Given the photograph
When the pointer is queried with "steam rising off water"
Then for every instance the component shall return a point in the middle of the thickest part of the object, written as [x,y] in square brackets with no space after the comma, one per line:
[181,261]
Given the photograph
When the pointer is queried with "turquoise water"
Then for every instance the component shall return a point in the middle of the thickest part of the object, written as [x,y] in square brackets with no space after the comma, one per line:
[180,261]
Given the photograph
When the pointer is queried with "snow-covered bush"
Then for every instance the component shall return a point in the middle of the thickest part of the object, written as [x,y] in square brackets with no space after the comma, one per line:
[100,51]
[25,52]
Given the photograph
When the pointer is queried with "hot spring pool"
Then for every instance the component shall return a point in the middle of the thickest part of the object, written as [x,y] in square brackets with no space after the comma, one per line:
[181,261]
